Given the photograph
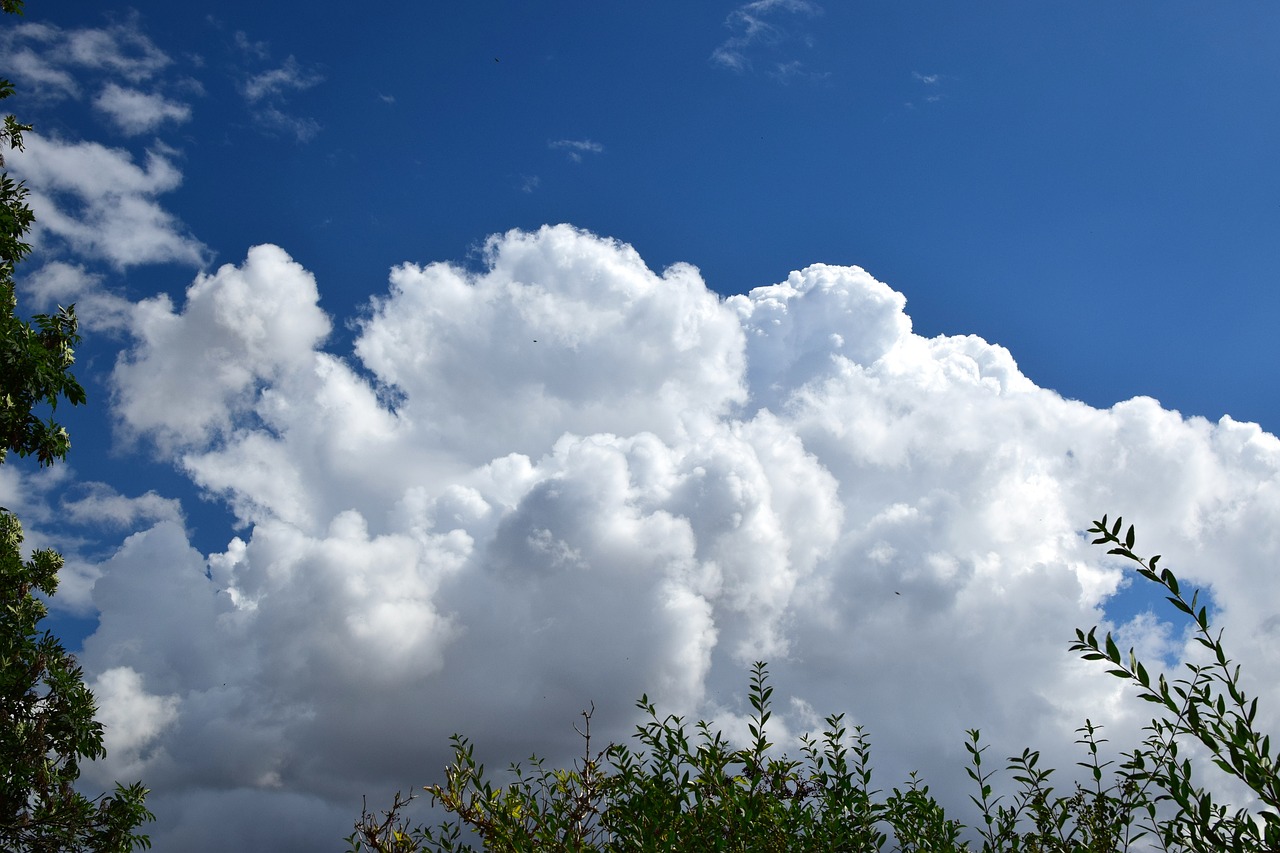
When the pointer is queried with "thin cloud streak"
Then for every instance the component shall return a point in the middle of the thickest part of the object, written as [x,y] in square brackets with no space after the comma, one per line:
[575,148]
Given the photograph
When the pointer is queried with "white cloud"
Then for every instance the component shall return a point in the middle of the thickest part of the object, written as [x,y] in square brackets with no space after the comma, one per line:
[135,112]
[759,25]
[121,48]
[597,480]
[932,84]
[102,203]
[240,327]
[41,56]
[575,148]
[266,94]
[33,68]
[103,505]
[274,82]
[131,718]
[274,120]
[59,283]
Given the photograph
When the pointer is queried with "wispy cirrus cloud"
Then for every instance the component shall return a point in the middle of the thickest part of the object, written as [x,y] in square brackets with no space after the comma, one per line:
[766,27]
[575,148]
[266,92]
[929,87]
[276,82]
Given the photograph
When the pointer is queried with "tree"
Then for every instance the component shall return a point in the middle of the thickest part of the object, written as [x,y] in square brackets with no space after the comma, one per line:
[682,790]
[35,360]
[47,723]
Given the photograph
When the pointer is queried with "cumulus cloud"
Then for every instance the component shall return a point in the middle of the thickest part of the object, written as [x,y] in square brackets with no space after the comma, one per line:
[567,478]
[59,283]
[135,112]
[42,57]
[240,327]
[131,717]
[102,203]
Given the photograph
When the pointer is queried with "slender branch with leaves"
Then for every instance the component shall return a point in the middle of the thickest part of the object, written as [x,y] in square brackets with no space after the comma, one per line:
[1209,707]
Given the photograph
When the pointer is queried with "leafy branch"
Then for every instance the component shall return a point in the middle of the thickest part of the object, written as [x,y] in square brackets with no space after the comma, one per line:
[1209,706]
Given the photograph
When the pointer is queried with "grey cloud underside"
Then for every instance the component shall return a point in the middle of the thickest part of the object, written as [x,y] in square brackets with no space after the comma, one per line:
[597,481]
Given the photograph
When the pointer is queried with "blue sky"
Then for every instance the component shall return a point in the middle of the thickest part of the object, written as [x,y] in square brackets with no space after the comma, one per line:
[417,419]
[1089,186]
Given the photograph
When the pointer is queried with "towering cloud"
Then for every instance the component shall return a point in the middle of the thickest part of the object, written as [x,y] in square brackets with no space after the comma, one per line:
[565,478]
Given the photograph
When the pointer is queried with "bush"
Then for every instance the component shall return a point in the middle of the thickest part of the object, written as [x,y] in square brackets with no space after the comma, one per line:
[687,789]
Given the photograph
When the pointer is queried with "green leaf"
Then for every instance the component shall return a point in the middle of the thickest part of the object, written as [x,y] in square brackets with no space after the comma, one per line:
[1143,678]
[1113,652]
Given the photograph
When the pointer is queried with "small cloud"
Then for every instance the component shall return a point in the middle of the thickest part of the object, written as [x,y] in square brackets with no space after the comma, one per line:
[785,72]
[58,283]
[43,56]
[266,92]
[123,49]
[275,82]
[575,148]
[755,25]
[529,183]
[386,99]
[103,204]
[103,506]
[135,112]
[254,49]
[931,83]
[276,121]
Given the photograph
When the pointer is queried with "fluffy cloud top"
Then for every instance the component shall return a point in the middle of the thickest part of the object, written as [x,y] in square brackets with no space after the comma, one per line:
[566,478]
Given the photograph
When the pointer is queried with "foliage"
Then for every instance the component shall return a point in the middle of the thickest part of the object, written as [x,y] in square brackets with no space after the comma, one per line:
[47,712]
[35,358]
[682,789]
[1209,707]
[47,724]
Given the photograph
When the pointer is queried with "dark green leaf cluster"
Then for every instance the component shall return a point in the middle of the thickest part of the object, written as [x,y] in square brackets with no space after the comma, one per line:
[684,789]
